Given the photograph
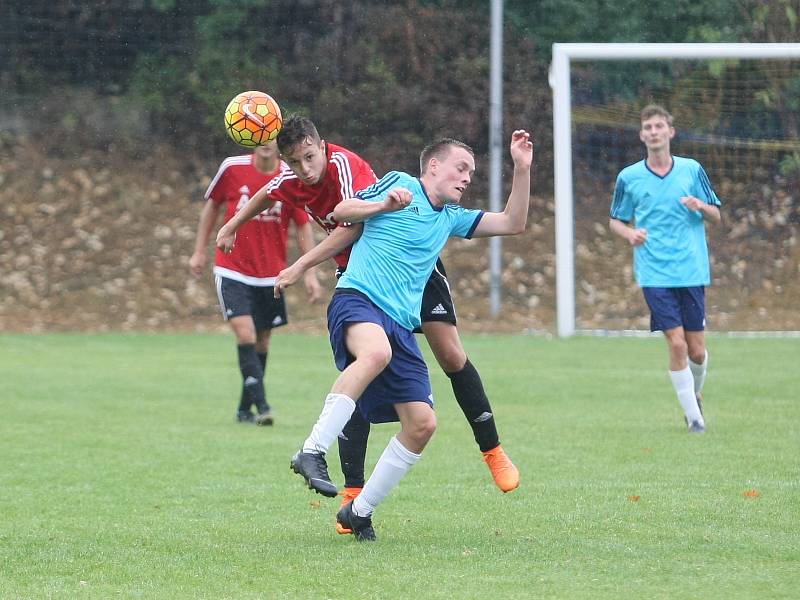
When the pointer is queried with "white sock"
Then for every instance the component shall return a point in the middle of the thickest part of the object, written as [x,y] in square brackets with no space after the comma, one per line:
[334,416]
[699,372]
[683,382]
[392,466]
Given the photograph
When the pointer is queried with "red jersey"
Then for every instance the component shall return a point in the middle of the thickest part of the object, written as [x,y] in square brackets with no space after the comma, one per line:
[260,250]
[346,174]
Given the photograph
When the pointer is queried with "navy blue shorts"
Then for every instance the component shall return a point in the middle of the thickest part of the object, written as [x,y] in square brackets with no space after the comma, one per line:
[676,307]
[437,301]
[406,377]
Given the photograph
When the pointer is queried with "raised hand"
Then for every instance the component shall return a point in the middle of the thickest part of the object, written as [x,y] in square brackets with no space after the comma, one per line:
[521,149]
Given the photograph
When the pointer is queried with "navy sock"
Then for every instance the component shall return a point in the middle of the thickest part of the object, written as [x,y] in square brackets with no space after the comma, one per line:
[468,389]
[252,379]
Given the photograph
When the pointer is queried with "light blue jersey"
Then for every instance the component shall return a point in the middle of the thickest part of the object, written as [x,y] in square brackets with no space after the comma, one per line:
[675,253]
[394,256]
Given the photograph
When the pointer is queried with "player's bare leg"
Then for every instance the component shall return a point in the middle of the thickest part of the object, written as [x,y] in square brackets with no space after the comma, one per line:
[368,344]
[468,389]
[698,362]
[682,378]
[418,422]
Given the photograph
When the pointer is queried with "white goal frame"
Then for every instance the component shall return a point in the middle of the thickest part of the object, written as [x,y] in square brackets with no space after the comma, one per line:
[562,134]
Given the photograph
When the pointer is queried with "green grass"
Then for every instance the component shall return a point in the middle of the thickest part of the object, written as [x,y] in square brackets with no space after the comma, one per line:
[122,474]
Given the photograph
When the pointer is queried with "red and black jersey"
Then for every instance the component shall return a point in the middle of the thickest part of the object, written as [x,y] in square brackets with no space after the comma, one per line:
[260,250]
[346,174]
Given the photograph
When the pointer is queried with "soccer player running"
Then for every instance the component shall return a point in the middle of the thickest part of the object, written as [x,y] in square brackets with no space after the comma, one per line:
[245,277]
[660,207]
[319,177]
[376,307]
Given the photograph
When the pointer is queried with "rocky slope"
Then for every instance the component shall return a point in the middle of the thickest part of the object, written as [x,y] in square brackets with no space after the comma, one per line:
[96,241]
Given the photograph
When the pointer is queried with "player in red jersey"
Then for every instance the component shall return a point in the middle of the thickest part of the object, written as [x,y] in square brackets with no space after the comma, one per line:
[322,175]
[246,276]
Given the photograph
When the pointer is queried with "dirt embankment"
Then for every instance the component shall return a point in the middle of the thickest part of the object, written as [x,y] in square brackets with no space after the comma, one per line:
[101,241]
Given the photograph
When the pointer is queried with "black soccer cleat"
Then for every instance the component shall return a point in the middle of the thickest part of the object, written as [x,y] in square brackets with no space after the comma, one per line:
[314,470]
[245,416]
[360,526]
[264,417]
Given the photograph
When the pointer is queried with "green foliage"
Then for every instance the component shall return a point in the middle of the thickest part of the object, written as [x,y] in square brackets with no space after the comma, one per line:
[379,76]
[790,165]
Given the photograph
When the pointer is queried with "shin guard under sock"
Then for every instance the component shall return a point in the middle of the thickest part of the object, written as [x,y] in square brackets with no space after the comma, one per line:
[252,379]
[353,449]
[468,389]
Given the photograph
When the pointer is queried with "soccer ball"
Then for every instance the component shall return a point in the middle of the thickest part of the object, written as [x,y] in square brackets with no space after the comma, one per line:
[253,119]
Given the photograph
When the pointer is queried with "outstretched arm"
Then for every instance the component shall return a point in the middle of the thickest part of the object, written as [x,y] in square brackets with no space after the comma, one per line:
[355,210]
[515,215]
[339,239]
[305,240]
[257,203]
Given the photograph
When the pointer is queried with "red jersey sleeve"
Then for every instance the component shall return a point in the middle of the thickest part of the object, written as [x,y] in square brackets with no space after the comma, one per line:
[354,174]
[296,215]
[218,188]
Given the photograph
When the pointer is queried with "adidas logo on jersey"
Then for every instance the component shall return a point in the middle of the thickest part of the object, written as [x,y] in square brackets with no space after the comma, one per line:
[438,310]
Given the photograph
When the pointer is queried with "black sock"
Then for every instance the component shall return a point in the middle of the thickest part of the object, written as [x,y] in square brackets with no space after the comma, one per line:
[262,358]
[252,379]
[468,389]
[353,449]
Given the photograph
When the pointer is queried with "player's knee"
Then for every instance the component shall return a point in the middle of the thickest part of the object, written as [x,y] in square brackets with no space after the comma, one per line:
[429,426]
[677,345]
[697,354]
[376,359]
[452,360]
[423,428]
[244,330]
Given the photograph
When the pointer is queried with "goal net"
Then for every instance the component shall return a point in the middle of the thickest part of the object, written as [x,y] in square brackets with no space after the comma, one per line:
[737,110]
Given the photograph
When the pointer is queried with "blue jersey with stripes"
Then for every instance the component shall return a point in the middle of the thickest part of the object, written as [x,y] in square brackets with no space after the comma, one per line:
[395,255]
[675,253]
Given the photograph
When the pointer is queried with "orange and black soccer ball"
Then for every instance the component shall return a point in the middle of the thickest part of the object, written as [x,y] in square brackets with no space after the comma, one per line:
[253,119]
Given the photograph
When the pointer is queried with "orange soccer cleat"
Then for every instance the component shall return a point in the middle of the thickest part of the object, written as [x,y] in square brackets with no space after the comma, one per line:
[506,475]
[348,494]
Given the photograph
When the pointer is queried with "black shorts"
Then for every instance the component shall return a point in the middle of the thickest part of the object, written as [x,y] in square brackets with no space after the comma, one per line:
[238,299]
[437,301]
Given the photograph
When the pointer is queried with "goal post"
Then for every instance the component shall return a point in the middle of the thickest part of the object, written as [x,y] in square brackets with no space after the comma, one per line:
[560,71]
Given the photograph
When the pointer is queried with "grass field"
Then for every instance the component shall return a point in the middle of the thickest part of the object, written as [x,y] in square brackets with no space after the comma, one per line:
[122,474]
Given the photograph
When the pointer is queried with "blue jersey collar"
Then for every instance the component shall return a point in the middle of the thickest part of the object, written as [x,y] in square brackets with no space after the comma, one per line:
[424,191]
[672,166]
